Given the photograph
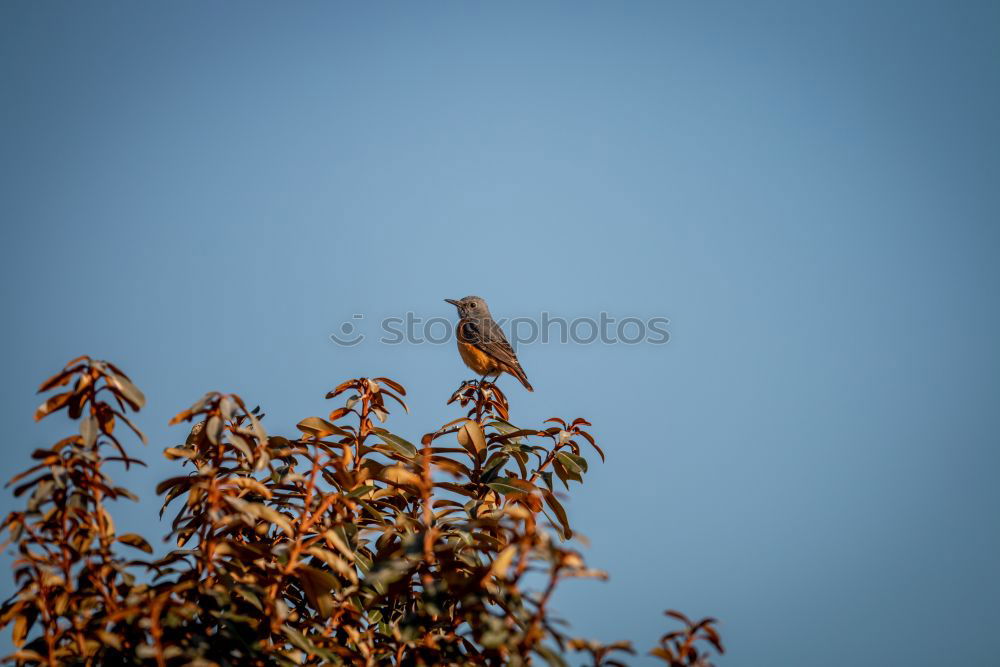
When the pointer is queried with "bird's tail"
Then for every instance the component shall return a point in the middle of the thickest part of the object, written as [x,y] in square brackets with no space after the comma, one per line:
[519,373]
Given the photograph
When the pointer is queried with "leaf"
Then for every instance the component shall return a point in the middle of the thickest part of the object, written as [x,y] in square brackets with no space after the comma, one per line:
[341,388]
[300,640]
[397,399]
[135,429]
[122,387]
[262,461]
[338,537]
[673,613]
[396,444]
[395,386]
[240,443]
[317,585]
[560,512]
[213,429]
[123,492]
[509,486]
[20,630]
[572,462]
[251,485]
[385,572]
[455,488]
[335,562]
[503,426]
[503,560]
[561,473]
[502,486]
[565,473]
[338,413]
[52,404]
[319,427]
[549,655]
[399,475]
[173,453]
[88,430]
[264,512]
[110,639]
[135,541]
[494,467]
[183,481]
[455,468]
[475,432]
[255,426]
[547,478]
[510,434]
[593,444]
[61,378]
[250,597]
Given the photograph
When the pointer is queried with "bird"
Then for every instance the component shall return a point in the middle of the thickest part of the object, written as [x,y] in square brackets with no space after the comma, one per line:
[481,341]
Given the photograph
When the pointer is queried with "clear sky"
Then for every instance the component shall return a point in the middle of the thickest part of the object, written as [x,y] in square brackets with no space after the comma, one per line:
[810,192]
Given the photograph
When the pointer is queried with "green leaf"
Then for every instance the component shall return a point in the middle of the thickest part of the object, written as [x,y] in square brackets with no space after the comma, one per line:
[494,467]
[396,444]
[360,491]
[547,478]
[508,486]
[561,473]
[503,426]
[506,428]
[504,487]
[573,463]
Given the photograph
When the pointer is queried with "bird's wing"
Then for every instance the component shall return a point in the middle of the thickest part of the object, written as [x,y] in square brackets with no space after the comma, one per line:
[491,340]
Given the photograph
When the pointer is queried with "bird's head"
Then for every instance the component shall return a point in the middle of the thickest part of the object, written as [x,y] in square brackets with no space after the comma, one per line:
[470,306]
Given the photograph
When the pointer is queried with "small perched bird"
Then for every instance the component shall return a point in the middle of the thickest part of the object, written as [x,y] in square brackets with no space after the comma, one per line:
[481,342]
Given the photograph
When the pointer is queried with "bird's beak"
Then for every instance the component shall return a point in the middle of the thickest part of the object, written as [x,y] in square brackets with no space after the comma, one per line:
[452,302]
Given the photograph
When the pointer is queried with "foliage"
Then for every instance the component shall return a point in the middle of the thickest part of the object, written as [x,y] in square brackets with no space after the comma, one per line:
[682,647]
[344,543]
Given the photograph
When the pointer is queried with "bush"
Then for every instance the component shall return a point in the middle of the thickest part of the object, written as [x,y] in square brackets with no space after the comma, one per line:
[345,543]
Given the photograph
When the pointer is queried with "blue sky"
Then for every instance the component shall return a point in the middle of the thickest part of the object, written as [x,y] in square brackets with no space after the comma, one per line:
[810,193]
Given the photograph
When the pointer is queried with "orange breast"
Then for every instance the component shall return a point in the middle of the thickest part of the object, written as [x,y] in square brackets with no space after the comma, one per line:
[476,359]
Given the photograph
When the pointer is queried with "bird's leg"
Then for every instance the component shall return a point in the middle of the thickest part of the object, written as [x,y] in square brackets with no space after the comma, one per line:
[483,380]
